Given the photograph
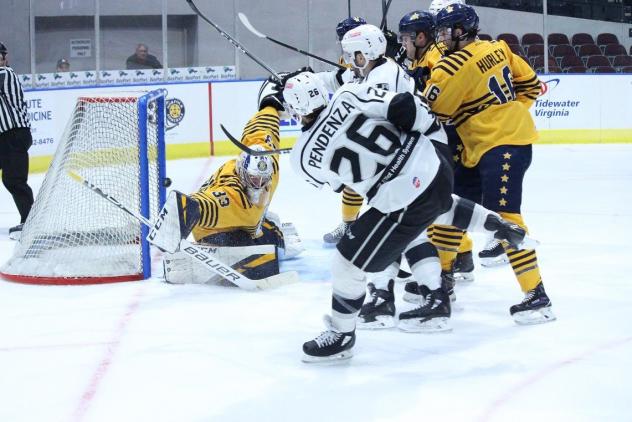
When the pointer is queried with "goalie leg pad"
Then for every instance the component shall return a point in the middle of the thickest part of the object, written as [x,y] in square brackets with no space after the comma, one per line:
[255,262]
[174,222]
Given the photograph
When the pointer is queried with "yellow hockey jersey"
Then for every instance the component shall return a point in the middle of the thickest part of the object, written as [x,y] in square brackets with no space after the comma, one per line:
[485,91]
[430,58]
[224,202]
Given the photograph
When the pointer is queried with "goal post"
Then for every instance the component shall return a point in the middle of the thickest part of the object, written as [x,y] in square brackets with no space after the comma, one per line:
[116,140]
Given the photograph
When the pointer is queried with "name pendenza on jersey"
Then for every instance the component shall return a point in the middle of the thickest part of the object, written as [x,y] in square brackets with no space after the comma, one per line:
[490,60]
[332,123]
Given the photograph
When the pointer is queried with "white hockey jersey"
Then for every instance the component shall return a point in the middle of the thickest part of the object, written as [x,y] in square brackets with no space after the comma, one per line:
[352,143]
[387,75]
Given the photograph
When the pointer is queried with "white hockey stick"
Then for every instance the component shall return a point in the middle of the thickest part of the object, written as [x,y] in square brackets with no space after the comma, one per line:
[206,259]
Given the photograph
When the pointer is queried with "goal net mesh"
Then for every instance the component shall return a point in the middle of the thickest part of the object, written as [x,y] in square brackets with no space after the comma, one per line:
[72,235]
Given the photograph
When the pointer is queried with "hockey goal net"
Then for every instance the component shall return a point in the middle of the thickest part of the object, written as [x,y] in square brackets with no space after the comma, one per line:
[71,235]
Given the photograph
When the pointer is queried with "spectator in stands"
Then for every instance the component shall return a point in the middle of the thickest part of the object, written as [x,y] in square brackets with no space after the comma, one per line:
[63,65]
[141,59]
[15,141]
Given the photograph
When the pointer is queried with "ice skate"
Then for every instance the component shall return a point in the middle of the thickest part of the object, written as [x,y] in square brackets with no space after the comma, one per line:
[463,267]
[379,312]
[16,232]
[330,345]
[493,254]
[535,308]
[432,316]
[513,234]
[334,236]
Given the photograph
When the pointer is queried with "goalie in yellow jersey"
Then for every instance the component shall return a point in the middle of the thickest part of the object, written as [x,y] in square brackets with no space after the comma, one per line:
[485,91]
[229,213]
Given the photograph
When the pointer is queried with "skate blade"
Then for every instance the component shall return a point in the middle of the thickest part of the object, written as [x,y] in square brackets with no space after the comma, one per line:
[537,316]
[381,322]
[529,243]
[338,357]
[411,298]
[435,325]
[464,277]
[494,262]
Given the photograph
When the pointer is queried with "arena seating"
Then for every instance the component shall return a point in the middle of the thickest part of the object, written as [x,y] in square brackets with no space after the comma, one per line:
[580,53]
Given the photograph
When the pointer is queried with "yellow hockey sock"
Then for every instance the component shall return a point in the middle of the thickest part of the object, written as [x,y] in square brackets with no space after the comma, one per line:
[524,262]
[351,204]
[447,240]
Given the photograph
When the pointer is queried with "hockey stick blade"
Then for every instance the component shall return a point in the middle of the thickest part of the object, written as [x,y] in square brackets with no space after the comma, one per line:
[247,150]
[199,255]
[246,22]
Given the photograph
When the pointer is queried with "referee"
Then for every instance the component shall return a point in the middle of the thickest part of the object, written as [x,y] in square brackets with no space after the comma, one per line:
[15,141]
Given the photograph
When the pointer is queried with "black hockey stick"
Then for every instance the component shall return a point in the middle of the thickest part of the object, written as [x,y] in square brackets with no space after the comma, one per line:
[385,6]
[244,20]
[234,42]
[199,255]
[244,148]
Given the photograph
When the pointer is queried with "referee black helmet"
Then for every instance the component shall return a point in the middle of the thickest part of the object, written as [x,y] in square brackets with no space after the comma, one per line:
[3,49]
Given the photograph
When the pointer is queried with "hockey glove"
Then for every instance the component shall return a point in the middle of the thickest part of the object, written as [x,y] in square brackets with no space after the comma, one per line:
[420,75]
[271,94]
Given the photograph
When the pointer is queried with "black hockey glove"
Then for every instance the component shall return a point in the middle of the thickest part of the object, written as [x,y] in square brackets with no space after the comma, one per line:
[393,46]
[271,94]
[420,75]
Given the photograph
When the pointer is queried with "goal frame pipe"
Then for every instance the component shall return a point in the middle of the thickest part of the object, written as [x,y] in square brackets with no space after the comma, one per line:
[143,103]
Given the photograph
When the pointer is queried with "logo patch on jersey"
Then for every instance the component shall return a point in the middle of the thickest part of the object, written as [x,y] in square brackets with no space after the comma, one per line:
[416,182]
[262,166]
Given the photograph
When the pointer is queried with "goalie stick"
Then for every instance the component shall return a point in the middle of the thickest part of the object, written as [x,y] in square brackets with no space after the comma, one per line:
[234,42]
[249,151]
[203,258]
[244,20]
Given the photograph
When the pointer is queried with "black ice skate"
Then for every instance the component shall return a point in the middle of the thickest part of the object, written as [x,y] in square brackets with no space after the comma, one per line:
[334,236]
[463,267]
[379,312]
[413,295]
[513,234]
[411,292]
[447,284]
[432,316]
[16,232]
[493,254]
[535,308]
[330,345]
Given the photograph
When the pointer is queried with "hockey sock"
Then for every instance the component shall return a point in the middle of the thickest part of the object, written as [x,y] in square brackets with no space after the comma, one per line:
[349,290]
[466,244]
[381,279]
[524,261]
[423,260]
[351,204]
[447,240]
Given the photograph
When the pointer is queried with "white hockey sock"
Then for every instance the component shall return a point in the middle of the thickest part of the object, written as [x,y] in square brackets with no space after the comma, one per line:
[349,290]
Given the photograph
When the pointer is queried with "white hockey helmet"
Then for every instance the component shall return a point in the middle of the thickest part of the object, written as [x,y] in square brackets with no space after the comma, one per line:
[255,171]
[366,39]
[436,5]
[305,93]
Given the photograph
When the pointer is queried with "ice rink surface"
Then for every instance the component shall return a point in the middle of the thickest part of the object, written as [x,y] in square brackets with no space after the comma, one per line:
[149,351]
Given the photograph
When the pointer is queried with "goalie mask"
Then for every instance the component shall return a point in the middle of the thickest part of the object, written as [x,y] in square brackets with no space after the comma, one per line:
[305,94]
[255,172]
[363,44]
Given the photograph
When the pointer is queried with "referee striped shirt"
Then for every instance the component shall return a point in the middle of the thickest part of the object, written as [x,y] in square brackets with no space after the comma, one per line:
[13,112]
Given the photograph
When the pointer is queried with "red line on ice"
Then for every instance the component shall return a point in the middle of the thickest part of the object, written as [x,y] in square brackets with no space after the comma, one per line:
[511,392]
